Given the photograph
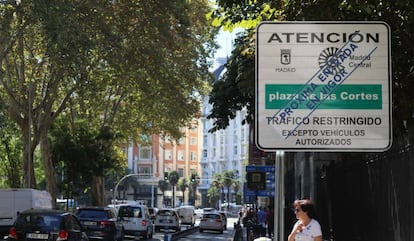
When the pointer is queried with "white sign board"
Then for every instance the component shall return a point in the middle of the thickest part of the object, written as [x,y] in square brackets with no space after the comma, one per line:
[323,86]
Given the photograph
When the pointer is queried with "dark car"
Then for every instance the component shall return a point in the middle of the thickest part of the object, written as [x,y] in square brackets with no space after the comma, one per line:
[101,223]
[46,224]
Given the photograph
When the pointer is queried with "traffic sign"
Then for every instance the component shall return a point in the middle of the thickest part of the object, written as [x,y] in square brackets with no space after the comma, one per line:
[323,86]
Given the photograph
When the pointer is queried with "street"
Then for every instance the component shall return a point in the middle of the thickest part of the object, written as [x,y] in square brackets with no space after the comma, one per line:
[207,235]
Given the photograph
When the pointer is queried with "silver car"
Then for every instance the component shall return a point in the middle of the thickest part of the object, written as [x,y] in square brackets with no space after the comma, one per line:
[136,220]
[212,221]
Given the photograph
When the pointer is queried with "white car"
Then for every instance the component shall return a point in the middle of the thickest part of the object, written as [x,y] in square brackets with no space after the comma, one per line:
[212,221]
[167,218]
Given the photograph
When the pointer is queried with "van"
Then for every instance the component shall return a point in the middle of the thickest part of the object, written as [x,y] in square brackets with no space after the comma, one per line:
[187,215]
[136,220]
[14,201]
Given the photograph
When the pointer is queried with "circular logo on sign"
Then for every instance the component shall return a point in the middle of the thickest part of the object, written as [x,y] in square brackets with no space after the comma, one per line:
[327,57]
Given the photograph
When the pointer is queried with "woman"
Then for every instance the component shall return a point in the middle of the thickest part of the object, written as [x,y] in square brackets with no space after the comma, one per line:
[306,228]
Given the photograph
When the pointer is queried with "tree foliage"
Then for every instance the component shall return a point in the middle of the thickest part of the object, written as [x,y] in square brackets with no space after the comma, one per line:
[240,80]
[182,185]
[10,153]
[136,67]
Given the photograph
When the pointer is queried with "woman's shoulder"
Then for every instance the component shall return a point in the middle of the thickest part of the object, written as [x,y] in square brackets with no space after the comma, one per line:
[315,222]
[315,227]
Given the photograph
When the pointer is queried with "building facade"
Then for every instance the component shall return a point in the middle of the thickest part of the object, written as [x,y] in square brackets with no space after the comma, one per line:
[149,164]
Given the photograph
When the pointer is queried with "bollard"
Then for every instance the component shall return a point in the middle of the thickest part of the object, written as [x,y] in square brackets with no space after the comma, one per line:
[167,237]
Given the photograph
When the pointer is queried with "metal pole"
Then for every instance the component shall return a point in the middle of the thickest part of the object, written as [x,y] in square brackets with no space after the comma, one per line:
[276,199]
[152,192]
[282,195]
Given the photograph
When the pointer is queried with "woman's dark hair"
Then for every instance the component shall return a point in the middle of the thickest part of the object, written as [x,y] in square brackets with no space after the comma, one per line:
[306,206]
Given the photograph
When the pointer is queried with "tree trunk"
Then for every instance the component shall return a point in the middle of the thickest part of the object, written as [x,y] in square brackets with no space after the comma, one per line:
[29,180]
[97,191]
[49,169]
[173,201]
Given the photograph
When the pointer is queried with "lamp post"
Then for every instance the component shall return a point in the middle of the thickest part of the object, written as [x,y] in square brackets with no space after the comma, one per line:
[136,175]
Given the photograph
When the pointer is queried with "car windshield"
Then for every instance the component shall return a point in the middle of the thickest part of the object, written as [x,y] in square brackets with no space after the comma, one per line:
[89,213]
[46,221]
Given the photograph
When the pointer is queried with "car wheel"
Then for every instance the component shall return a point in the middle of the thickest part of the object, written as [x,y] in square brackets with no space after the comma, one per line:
[121,236]
[201,230]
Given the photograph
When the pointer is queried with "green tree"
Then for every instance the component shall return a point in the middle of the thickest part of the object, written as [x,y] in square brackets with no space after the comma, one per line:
[163,186]
[182,185]
[228,181]
[213,195]
[238,82]
[236,188]
[219,185]
[194,183]
[84,153]
[10,152]
[44,47]
[115,62]
[173,180]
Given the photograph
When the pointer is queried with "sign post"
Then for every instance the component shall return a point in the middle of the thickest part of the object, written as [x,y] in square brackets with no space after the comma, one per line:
[323,86]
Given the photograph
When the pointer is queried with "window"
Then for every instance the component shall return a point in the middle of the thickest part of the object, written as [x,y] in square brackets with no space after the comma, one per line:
[180,172]
[235,150]
[145,170]
[193,155]
[205,153]
[222,140]
[180,155]
[145,153]
[168,154]
[193,141]
[205,141]
[214,139]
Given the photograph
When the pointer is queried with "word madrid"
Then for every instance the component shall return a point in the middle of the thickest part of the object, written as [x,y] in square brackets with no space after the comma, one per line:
[355,37]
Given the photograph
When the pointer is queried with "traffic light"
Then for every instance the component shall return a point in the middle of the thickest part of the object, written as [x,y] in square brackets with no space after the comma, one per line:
[165,176]
[193,177]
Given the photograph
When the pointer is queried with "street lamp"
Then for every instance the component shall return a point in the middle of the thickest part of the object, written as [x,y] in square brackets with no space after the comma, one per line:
[136,175]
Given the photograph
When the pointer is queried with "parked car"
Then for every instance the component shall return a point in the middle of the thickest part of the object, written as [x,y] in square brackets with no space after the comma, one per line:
[101,223]
[187,215]
[136,220]
[167,218]
[211,221]
[46,224]
[153,213]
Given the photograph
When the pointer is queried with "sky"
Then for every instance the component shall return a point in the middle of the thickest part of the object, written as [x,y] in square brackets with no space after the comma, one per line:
[225,40]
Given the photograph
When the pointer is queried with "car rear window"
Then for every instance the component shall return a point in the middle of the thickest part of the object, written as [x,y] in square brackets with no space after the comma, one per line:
[211,216]
[130,212]
[90,213]
[166,213]
[48,221]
